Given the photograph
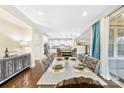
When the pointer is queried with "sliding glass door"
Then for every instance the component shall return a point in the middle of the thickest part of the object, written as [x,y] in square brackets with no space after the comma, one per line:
[116,45]
[120,42]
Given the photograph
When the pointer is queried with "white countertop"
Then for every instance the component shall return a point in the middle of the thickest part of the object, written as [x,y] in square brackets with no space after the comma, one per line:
[13,55]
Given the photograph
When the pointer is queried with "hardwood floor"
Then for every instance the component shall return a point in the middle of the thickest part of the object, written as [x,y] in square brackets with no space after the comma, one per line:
[25,79]
[29,78]
[111,84]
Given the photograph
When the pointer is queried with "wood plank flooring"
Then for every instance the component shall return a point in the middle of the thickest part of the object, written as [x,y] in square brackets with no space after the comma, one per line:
[25,79]
[29,78]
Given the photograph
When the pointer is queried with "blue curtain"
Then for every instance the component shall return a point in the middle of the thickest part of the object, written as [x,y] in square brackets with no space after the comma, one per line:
[96,40]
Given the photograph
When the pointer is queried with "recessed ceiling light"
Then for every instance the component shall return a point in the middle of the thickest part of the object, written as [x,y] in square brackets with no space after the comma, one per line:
[40,13]
[84,13]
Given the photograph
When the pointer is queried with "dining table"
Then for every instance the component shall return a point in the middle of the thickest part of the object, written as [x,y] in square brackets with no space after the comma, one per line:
[51,77]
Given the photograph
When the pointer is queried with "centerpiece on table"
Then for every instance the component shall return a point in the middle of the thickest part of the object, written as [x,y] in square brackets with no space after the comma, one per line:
[66,58]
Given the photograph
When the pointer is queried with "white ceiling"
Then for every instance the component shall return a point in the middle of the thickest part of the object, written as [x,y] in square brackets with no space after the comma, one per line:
[5,15]
[63,20]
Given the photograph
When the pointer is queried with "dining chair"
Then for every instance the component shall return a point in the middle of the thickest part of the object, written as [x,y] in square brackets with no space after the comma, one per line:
[46,61]
[97,68]
[59,52]
[78,82]
[93,64]
[82,58]
[52,56]
[74,52]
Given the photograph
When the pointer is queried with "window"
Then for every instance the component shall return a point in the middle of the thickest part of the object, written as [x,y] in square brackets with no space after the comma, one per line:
[111,43]
[120,43]
[116,42]
[116,45]
[54,43]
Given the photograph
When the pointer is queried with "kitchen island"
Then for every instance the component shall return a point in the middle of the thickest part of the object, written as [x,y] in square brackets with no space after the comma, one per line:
[10,66]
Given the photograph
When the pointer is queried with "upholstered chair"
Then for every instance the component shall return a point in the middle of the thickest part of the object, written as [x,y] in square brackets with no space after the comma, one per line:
[93,64]
[52,56]
[59,52]
[46,61]
[82,58]
[74,52]
[97,68]
[78,82]
[47,53]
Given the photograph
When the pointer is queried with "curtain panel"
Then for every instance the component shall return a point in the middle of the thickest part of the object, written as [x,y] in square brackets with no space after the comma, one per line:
[100,40]
[104,43]
[96,40]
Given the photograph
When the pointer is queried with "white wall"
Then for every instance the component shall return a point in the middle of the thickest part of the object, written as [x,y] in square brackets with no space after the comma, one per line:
[86,36]
[7,42]
[13,30]
[11,34]
[37,45]
[45,39]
